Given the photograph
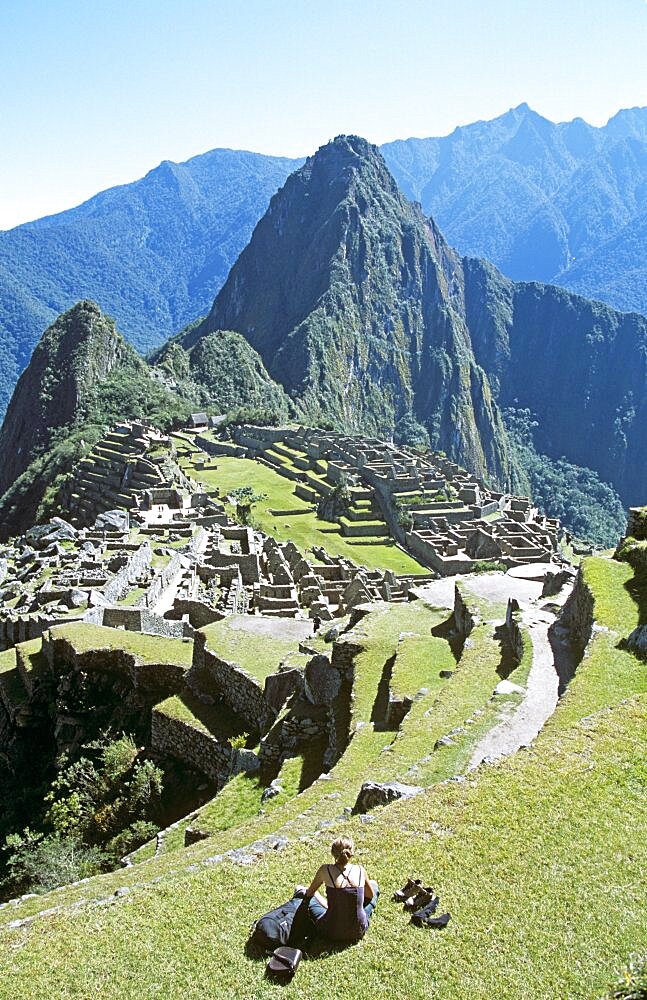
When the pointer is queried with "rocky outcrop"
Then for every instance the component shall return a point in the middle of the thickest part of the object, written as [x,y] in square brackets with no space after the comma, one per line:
[375,793]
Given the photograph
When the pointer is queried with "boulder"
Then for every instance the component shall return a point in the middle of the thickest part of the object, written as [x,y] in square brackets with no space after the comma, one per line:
[637,642]
[113,520]
[77,597]
[507,687]
[376,793]
[192,835]
[63,528]
[322,681]
[274,788]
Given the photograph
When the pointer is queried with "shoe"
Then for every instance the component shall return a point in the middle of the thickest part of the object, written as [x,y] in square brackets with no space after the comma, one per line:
[428,907]
[421,899]
[422,919]
[284,962]
[411,886]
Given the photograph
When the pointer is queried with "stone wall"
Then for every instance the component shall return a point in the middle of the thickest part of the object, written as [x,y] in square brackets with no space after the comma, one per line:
[217,760]
[165,579]
[120,584]
[237,688]
[578,613]
[166,677]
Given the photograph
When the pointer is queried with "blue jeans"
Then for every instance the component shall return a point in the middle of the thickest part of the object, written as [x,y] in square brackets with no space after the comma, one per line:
[317,910]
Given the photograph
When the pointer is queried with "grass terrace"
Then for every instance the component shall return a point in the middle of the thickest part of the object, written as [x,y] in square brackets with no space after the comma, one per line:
[257,644]
[86,638]
[301,525]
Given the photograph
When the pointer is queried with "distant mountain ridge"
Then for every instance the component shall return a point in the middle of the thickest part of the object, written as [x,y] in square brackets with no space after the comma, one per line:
[561,203]
[152,254]
[543,201]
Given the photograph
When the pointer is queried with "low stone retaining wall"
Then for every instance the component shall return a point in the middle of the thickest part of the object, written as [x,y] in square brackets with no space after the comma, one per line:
[219,761]
[167,677]
[242,692]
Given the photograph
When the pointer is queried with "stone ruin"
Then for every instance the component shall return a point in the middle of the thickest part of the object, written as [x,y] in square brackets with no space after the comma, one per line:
[452,520]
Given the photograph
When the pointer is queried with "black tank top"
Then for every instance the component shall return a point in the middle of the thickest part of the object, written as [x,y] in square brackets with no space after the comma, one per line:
[346,919]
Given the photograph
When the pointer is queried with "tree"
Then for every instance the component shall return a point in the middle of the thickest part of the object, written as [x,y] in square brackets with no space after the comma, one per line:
[245,497]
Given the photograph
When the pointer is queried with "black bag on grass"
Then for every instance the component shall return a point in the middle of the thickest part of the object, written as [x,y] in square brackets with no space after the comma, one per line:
[273,929]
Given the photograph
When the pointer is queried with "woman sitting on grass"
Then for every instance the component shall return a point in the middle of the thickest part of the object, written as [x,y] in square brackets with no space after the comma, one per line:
[351,896]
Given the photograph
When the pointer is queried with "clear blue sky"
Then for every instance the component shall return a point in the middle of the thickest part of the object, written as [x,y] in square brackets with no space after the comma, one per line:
[96,92]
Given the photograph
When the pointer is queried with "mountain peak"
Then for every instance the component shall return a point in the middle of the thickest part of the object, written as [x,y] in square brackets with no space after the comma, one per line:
[351,297]
[78,351]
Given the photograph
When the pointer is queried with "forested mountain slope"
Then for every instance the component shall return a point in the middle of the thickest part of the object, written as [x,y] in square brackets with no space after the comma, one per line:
[152,254]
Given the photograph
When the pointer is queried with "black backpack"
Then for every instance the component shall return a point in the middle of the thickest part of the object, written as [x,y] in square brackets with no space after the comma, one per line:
[274,928]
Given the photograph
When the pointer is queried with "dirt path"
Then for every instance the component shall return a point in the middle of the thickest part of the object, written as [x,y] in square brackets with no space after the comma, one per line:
[525,721]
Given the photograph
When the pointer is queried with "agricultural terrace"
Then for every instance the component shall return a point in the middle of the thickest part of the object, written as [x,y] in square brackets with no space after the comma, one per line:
[287,517]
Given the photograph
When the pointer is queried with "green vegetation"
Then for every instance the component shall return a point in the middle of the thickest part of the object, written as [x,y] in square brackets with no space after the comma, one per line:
[301,526]
[222,373]
[97,808]
[587,507]
[548,825]
[244,498]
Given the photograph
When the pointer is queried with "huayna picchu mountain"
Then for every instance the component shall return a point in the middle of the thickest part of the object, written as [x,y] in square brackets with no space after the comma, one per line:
[361,310]
[354,302]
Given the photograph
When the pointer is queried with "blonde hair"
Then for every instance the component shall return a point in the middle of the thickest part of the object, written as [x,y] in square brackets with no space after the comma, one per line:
[342,849]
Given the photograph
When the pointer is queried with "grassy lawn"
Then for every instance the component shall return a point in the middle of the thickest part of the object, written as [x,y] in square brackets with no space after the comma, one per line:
[418,663]
[541,860]
[303,528]
[87,638]
[256,644]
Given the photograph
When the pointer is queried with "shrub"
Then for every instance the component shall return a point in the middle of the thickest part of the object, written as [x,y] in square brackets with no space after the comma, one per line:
[36,863]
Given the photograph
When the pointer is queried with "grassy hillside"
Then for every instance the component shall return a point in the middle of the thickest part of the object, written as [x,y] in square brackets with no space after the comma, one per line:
[541,861]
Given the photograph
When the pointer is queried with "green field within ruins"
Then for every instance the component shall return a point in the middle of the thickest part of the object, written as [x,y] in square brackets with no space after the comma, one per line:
[256,644]
[541,859]
[297,521]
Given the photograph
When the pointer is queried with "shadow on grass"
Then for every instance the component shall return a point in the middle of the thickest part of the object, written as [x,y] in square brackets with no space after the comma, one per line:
[455,640]
[637,589]
[312,762]
[380,708]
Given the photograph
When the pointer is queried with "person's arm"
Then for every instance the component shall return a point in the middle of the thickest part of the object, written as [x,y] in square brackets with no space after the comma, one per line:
[316,882]
[368,888]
